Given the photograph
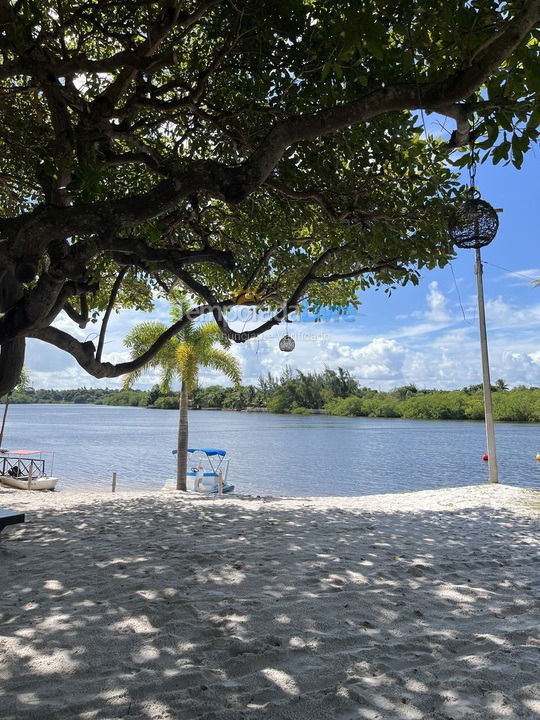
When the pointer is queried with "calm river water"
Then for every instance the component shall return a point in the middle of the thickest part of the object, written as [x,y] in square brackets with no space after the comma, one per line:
[272,454]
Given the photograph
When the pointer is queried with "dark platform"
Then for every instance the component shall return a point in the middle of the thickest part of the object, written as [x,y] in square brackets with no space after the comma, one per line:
[10,517]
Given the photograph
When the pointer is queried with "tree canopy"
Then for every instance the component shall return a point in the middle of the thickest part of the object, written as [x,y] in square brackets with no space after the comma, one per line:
[266,154]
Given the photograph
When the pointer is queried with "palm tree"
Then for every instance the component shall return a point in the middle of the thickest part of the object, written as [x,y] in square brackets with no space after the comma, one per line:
[195,346]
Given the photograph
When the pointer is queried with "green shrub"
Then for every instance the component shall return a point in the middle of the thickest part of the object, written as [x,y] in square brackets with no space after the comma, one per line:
[474,406]
[277,403]
[438,405]
[169,402]
[352,406]
[301,411]
[517,406]
[385,407]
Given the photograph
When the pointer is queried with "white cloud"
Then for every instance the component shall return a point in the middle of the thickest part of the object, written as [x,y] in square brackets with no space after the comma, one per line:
[437,304]
[436,316]
[525,366]
[500,314]
[381,359]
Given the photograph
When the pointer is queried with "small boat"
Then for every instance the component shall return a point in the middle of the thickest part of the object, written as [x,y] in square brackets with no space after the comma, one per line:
[207,472]
[25,470]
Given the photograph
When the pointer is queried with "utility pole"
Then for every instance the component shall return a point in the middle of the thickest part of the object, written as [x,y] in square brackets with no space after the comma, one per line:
[488,405]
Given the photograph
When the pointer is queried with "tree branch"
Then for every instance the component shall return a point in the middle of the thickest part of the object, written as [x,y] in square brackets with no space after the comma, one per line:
[85,352]
[166,257]
[435,95]
[288,307]
[333,277]
[79,317]
[110,305]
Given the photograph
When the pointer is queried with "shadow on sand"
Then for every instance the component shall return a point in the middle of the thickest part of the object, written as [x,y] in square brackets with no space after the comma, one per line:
[156,608]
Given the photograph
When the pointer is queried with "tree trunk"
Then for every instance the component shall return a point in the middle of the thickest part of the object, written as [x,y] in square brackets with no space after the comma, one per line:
[181,457]
[11,364]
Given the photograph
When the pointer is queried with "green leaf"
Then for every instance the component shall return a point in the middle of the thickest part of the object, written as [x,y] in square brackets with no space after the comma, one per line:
[326,69]
[501,151]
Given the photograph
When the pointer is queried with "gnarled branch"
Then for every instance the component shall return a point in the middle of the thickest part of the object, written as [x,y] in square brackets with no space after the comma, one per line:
[85,352]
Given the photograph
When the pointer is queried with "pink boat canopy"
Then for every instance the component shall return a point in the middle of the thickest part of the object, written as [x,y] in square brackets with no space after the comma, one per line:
[24,452]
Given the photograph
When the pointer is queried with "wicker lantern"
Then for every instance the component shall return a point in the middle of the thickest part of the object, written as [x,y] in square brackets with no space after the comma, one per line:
[286,344]
[474,224]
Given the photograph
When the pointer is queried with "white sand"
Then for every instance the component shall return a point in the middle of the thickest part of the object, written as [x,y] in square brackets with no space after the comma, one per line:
[151,606]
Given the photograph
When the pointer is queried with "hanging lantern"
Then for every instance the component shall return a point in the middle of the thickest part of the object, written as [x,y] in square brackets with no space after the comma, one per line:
[286,344]
[474,224]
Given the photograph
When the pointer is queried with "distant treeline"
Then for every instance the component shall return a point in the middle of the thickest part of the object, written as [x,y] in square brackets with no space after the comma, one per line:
[336,392]
[96,396]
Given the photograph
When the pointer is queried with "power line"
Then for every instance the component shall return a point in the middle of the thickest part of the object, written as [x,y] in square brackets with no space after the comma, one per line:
[512,272]
[459,295]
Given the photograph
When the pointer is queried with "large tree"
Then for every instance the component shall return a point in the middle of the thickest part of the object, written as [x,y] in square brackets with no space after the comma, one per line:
[256,153]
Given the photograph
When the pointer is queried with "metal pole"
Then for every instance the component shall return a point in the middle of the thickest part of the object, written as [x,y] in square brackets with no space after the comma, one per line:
[488,407]
[6,406]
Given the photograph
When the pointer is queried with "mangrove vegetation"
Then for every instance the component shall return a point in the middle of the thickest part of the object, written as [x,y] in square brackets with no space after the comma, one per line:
[331,391]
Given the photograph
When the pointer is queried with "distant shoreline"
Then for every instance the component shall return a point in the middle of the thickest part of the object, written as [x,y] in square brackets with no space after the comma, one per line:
[264,411]
[328,393]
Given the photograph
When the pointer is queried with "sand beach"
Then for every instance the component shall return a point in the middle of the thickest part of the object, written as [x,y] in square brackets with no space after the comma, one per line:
[156,606]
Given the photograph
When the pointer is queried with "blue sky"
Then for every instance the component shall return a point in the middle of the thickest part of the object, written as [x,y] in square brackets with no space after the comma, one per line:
[420,334]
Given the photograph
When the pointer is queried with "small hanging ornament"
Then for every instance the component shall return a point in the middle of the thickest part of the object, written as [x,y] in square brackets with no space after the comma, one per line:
[286,344]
